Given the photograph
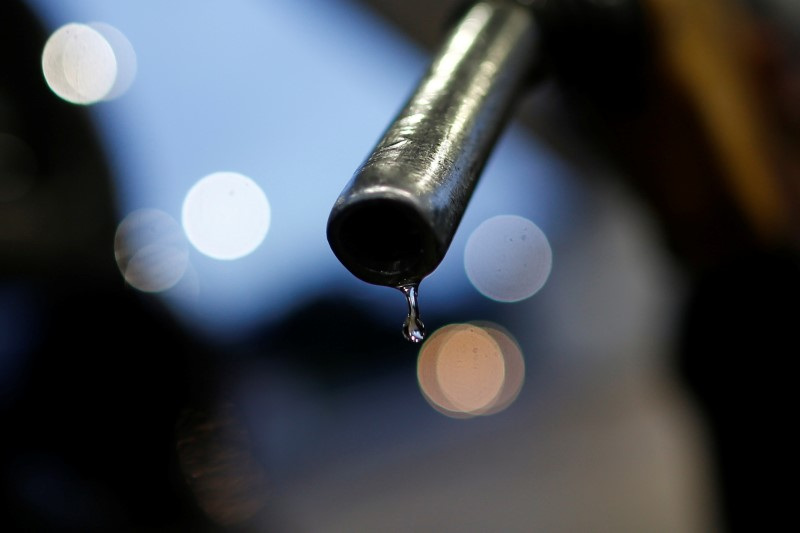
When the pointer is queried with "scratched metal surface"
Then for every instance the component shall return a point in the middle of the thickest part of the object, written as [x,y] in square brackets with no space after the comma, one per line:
[431,156]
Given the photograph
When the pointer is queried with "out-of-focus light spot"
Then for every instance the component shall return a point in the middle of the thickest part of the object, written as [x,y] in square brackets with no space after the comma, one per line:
[514,366]
[150,250]
[124,54]
[427,374]
[79,64]
[466,370]
[226,215]
[508,258]
[87,63]
[17,167]
[216,456]
[470,369]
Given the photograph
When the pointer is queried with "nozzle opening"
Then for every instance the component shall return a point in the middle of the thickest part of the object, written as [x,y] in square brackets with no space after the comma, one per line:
[383,242]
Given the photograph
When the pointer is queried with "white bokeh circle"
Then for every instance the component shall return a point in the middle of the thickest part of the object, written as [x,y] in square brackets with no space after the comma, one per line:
[79,64]
[508,258]
[226,215]
[125,56]
[151,250]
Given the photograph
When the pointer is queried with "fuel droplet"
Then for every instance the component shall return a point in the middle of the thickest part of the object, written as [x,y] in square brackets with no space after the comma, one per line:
[413,328]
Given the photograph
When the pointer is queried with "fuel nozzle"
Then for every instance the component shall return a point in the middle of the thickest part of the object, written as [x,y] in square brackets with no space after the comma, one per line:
[395,219]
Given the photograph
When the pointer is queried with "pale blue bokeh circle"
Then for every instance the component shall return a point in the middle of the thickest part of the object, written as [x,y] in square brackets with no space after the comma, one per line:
[508,258]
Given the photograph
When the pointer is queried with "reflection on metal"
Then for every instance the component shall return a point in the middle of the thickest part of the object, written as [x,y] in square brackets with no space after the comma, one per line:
[394,221]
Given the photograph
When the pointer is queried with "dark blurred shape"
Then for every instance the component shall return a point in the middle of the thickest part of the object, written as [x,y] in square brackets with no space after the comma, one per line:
[695,105]
[424,20]
[58,207]
[99,392]
[99,373]
[739,345]
[598,51]
[703,141]
[17,168]
[341,342]
[669,92]
[216,457]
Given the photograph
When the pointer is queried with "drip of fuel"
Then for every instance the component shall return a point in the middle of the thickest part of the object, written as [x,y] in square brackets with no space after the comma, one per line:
[413,328]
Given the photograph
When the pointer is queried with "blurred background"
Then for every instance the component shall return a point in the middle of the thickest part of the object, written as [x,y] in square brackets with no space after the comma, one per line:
[181,351]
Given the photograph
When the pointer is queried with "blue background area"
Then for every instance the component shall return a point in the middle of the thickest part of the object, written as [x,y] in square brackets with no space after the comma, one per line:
[293,95]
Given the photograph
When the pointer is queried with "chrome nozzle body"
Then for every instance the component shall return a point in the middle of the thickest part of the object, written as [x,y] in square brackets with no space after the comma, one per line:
[394,221]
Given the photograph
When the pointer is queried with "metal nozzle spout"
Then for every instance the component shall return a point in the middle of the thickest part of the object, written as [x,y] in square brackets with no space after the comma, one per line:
[394,221]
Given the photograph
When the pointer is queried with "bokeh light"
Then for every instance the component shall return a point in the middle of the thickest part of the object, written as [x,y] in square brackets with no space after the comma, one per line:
[226,215]
[514,366]
[79,64]
[151,251]
[508,258]
[88,63]
[124,54]
[466,370]
[216,457]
